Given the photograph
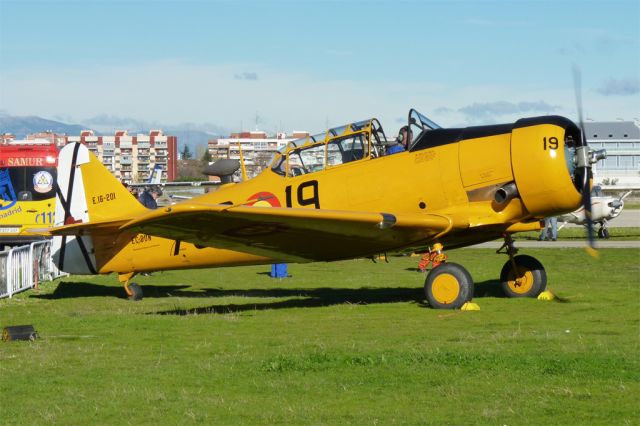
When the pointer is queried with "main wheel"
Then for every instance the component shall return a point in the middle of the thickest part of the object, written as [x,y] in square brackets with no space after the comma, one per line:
[448,286]
[136,292]
[529,281]
[603,233]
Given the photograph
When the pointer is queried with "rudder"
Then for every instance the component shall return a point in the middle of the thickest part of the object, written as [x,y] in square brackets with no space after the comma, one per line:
[85,191]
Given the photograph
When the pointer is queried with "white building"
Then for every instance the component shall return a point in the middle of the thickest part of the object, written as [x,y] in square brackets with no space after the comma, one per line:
[621,139]
[257,148]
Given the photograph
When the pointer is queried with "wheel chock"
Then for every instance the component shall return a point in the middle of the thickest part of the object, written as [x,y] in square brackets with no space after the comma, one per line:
[470,306]
[547,296]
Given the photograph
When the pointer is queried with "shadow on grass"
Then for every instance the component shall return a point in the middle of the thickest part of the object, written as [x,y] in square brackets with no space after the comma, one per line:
[489,288]
[320,297]
[294,297]
[300,298]
[68,290]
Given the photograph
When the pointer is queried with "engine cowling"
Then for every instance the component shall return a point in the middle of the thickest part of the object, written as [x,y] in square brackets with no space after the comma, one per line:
[543,151]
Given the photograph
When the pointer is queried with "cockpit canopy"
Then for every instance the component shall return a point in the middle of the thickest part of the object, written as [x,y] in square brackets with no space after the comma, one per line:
[340,145]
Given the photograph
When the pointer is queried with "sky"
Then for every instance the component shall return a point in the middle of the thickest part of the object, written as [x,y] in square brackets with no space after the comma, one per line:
[223,66]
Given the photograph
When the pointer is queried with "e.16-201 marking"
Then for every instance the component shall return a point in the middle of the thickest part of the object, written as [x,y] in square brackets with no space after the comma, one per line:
[110,196]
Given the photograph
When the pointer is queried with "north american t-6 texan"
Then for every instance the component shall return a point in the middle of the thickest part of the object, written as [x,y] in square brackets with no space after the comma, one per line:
[341,195]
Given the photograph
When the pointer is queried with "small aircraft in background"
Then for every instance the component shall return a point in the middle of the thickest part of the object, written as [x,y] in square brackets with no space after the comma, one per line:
[154,179]
[603,209]
[340,195]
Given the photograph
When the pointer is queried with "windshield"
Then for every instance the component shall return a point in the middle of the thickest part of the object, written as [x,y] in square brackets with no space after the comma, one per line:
[415,118]
[418,123]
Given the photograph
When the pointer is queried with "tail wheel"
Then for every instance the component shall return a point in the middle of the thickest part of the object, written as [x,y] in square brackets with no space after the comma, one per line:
[448,286]
[529,279]
[135,292]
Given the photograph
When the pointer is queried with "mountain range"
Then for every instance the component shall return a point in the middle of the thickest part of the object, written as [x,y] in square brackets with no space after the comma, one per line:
[22,126]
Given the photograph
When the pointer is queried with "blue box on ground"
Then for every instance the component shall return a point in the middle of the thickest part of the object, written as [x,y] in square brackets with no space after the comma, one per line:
[279,270]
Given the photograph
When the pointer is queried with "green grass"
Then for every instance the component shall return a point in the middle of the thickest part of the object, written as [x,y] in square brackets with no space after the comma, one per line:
[579,233]
[346,342]
[632,204]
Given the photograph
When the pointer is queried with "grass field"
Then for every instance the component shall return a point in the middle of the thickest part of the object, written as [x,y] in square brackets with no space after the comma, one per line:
[579,234]
[338,343]
[632,204]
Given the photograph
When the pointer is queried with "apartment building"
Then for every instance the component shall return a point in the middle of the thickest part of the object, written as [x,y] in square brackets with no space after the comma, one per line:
[53,138]
[131,158]
[5,138]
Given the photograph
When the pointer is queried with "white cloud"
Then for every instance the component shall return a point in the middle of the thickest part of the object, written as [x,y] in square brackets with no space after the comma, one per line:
[173,92]
[246,76]
[620,87]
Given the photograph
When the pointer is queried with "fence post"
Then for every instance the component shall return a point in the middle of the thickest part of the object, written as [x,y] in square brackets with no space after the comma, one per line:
[4,280]
[10,273]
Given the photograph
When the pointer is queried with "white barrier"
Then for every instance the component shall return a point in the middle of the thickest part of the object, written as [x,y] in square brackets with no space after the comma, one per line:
[22,268]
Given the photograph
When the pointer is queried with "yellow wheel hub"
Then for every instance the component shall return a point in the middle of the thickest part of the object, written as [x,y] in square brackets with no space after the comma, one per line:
[445,289]
[521,283]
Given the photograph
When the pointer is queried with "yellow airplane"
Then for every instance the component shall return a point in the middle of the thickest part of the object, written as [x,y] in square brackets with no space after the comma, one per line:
[340,195]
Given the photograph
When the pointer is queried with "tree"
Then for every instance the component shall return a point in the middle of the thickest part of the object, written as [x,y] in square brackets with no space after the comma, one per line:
[206,157]
[185,153]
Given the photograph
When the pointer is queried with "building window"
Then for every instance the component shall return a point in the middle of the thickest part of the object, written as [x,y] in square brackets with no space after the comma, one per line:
[625,145]
[610,163]
[625,162]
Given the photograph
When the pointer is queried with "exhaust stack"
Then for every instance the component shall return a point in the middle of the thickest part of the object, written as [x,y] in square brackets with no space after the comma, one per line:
[506,193]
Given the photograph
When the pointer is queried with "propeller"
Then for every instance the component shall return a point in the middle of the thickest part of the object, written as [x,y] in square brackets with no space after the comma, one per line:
[584,164]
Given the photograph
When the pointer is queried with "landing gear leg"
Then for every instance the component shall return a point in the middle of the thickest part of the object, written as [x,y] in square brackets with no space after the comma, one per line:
[521,276]
[448,285]
[434,256]
[133,290]
[603,231]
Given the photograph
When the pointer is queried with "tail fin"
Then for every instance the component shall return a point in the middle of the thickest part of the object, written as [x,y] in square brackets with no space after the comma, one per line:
[86,191]
[156,175]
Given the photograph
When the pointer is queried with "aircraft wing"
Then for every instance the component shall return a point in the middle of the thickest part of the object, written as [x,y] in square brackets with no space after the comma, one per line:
[97,226]
[292,234]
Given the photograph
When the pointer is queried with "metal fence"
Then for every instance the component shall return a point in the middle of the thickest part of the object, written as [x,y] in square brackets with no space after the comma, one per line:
[22,268]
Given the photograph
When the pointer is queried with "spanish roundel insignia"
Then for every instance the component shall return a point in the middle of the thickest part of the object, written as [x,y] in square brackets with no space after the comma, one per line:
[42,182]
[263,199]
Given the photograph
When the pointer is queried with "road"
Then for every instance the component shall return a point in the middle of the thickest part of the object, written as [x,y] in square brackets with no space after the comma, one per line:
[562,244]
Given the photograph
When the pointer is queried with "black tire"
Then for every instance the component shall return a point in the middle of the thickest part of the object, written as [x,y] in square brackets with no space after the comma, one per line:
[603,233]
[532,274]
[136,292]
[448,286]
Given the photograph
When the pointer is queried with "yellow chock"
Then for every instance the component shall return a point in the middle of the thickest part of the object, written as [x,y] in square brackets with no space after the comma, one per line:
[547,295]
[470,306]
[592,252]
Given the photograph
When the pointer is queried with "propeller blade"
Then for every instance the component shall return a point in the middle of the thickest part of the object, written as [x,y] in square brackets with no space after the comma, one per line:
[585,164]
